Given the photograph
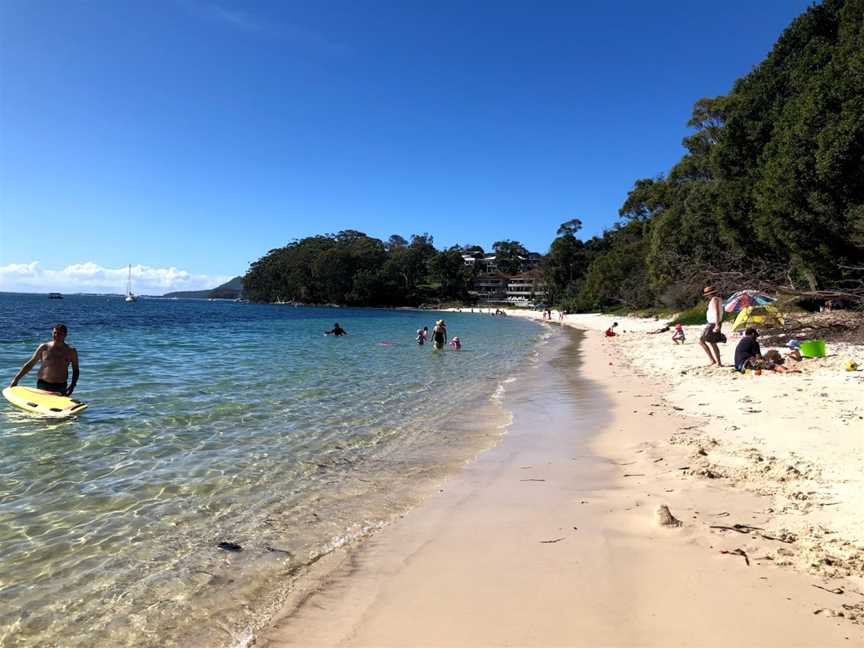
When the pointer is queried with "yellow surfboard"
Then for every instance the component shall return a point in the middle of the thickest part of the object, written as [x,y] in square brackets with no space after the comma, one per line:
[44,403]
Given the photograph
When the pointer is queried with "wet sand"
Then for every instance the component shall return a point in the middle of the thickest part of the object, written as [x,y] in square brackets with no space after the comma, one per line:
[551,539]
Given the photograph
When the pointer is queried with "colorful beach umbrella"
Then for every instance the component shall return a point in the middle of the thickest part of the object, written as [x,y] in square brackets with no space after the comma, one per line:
[746,298]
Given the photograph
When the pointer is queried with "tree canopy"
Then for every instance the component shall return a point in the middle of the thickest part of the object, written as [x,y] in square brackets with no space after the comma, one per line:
[350,267]
[770,187]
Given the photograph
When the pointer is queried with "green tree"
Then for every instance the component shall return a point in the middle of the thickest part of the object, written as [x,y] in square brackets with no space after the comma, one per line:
[448,270]
[565,264]
[509,255]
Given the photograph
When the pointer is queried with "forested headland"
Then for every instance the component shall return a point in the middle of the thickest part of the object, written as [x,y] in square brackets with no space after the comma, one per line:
[769,193]
[352,268]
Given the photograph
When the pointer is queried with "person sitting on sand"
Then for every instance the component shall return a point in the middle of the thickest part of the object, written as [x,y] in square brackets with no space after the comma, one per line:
[678,336]
[711,335]
[773,361]
[794,351]
[610,332]
[439,335]
[337,330]
[747,352]
[456,343]
[55,356]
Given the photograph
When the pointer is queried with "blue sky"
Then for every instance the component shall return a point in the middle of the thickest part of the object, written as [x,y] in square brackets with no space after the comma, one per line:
[189,137]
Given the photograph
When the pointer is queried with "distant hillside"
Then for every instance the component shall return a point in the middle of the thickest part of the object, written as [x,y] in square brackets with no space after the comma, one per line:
[230,290]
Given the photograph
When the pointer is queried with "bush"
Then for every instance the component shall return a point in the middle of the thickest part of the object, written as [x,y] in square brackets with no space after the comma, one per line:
[696,315]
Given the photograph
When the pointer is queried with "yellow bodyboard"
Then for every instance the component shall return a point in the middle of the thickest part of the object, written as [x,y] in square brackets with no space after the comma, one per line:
[43,403]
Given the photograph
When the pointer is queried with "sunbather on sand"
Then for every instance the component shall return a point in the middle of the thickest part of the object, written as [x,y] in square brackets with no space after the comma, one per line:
[794,351]
[773,361]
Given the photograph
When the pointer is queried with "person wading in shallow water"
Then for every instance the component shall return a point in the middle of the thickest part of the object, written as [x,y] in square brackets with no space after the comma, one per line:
[439,335]
[55,356]
[337,330]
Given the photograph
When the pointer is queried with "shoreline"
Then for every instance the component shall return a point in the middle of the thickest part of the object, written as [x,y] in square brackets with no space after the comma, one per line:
[572,555]
[797,438]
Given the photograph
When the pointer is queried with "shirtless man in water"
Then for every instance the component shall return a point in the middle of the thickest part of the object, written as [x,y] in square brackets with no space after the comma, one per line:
[55,356]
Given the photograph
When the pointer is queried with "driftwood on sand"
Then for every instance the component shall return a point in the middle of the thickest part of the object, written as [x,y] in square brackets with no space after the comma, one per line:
[665,517]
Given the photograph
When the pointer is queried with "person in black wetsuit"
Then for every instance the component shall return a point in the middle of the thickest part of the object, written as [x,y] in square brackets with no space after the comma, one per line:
[337,330]
[439,335]
[747,350]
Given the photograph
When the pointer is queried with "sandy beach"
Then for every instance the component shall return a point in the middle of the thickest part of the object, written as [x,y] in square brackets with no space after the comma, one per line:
[557,536]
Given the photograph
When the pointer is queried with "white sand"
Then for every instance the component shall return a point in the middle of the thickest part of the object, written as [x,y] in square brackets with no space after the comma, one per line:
[797,437]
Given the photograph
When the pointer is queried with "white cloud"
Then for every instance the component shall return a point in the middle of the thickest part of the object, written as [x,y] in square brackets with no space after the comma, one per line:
[92,278]
[236,18]
[302,38]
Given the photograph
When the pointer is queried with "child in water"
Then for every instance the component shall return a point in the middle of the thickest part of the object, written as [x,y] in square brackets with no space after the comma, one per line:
[456,343]
[678,335]
[422,334]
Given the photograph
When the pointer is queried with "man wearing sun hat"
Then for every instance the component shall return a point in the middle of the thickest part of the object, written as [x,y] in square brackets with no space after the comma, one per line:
[711,334]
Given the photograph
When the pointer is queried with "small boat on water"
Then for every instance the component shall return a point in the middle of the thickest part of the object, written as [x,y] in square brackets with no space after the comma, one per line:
[55,296]
[130,296]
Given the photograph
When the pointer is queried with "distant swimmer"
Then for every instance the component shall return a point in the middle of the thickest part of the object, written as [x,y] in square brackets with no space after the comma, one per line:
[422,335]
[456,343]
[337,330]
[55,356]
[439,335]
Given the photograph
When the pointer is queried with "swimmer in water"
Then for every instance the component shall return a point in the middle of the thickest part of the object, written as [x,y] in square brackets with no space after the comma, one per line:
[422,334]
[337,330]
[456,343]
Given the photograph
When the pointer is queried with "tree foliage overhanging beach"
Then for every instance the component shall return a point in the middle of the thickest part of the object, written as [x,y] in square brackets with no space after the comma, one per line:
[771,187]
[770,190]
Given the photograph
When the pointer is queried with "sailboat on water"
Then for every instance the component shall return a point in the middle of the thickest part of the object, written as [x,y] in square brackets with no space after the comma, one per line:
[130,296]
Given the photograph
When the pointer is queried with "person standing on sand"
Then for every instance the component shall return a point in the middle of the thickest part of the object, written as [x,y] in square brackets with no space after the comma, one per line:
[55,356]
[711,334]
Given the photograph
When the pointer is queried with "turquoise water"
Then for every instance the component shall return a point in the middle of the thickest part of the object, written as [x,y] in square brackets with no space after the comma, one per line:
[219,422]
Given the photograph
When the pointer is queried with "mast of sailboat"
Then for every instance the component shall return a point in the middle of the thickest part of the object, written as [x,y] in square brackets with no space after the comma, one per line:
[129,295]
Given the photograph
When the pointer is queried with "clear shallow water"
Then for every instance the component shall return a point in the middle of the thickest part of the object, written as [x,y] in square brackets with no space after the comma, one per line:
[215,421]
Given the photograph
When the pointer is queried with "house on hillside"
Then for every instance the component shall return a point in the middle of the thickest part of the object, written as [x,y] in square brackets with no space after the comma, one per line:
[473,259]
[499,288]
[488,263]
[526,288]
[490,287]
